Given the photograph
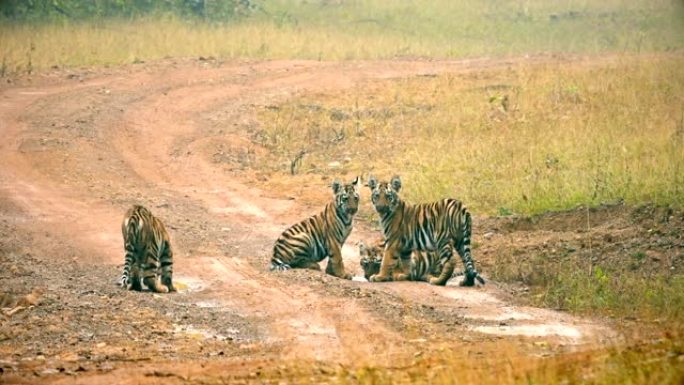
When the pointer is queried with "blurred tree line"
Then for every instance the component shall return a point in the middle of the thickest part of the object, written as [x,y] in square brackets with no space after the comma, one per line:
[215,10]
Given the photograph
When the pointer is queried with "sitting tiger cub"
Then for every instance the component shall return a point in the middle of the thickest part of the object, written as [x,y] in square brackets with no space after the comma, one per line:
[308,242]
[148,249]
[419,266]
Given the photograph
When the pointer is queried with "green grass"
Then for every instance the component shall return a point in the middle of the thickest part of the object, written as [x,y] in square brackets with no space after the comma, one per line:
[608,288]
[568,135]
[347,30]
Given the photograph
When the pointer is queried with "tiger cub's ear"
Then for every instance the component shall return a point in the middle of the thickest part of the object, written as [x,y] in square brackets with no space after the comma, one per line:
[372,182]
[396,183]
[356,183]
[336,186]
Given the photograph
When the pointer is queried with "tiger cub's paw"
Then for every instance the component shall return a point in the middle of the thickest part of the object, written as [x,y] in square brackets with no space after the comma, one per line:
[470,278]
[437,281]
[167,282]
[378,278]
[154,285]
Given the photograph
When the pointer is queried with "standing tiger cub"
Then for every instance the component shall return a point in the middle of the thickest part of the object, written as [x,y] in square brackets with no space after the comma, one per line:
[308,242]
[148,249]
[439,226]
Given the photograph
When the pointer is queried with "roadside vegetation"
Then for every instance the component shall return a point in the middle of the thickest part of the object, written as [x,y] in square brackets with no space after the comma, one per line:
[42,34]
[523,139]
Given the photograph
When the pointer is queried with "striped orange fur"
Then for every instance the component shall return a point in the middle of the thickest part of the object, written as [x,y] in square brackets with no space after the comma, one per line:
[420,266]
[440,227]
[148,251]
[308,242]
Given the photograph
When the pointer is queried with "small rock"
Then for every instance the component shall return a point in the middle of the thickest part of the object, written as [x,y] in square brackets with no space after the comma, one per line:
[48,372]
[335,164]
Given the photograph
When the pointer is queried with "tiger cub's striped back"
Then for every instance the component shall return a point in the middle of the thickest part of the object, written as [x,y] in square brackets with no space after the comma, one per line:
[308,242]
[420,266]
[148,250]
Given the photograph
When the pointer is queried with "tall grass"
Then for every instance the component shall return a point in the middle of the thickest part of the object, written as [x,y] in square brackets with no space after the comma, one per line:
[652,362]
[657,362]
[617,287]
[353,30]
[524,140]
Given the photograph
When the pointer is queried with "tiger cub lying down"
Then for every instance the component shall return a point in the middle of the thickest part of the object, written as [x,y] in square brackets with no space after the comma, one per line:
[418,266]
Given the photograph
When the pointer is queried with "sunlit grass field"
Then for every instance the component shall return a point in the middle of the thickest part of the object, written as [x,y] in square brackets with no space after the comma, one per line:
[525,139]
[344,30]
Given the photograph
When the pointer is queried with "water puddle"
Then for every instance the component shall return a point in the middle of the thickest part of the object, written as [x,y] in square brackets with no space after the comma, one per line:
[312,329]
[203,334]
[208,304]
[188,284]
[502,314]
[544,330]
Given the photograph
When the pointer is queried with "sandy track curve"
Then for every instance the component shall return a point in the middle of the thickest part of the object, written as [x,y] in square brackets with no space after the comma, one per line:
[75,154]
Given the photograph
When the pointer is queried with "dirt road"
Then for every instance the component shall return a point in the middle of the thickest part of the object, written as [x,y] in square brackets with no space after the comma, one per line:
[78,149]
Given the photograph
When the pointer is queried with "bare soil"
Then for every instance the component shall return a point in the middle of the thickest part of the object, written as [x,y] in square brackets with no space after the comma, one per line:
[78,148]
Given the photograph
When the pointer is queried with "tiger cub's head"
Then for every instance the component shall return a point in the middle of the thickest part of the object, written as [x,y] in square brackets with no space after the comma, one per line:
[347,196]
[371,258]
[384,195]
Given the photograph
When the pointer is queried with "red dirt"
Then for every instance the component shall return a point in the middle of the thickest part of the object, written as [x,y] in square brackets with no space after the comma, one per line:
[77,150]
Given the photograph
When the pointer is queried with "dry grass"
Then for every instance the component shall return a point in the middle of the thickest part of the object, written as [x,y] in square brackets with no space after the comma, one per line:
[658,361]
[522,140]
[370,29]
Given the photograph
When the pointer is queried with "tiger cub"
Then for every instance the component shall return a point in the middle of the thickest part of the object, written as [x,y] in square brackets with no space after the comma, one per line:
[420,266]
[308,242]
[440,226]
[148,249]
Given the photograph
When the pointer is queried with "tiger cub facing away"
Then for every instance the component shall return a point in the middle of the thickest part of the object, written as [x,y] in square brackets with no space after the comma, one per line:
[417,266]
[308,242]
[148,250]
